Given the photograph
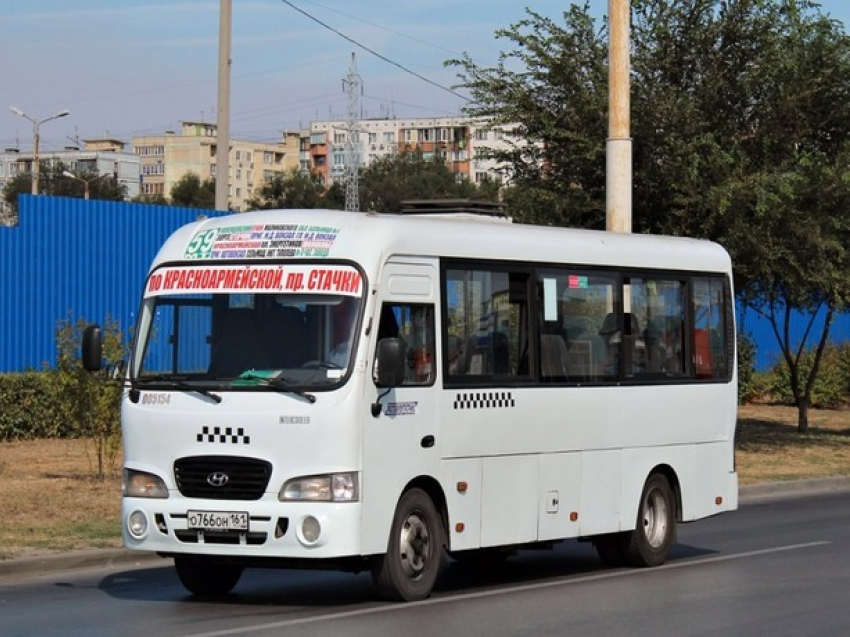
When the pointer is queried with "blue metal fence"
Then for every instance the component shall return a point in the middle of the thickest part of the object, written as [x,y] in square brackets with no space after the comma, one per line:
[71,258]
[767,347]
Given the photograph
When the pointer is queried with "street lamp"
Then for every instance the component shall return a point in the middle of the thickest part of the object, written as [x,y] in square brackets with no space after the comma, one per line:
[68,173]
[36,123]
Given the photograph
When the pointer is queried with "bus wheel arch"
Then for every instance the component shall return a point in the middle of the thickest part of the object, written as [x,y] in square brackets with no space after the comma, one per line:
[416,548]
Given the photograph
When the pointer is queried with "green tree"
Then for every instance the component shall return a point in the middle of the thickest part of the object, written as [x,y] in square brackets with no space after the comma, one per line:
[190,192]
[740,118]
[53,181]
[100,186]
[549,93]
[156,200]
[291,190]
[19,184]
[389,180]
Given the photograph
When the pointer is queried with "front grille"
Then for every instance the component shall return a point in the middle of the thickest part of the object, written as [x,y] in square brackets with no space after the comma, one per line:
[201,477]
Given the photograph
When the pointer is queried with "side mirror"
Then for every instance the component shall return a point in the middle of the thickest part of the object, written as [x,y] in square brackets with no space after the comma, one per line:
[92,348]
[390,363]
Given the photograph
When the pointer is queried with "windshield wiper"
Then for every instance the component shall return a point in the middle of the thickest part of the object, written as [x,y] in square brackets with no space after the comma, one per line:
[278,383]
[176,382]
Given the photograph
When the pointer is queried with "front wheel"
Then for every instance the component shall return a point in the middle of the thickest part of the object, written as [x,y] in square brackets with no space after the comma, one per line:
[205,578]
[655,531]
[414,557]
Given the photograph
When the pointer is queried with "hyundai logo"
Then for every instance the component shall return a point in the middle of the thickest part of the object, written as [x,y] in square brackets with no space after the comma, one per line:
[218,479]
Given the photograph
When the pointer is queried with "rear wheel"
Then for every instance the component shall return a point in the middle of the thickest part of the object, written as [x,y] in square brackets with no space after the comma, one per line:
[206,578]
[655,531]
[414,556]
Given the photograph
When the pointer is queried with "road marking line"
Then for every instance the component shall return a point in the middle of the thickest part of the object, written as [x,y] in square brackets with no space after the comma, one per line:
[392,607]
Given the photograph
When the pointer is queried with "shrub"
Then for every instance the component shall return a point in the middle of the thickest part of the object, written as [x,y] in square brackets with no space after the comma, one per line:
[747,385]
[94,400]
[68,402]
[32,406]
[831,388]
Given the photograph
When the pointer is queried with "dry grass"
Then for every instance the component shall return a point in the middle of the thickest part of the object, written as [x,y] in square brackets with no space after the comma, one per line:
[50,502]
[770,449]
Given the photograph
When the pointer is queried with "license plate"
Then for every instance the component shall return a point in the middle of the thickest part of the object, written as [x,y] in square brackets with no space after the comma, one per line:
[217,520]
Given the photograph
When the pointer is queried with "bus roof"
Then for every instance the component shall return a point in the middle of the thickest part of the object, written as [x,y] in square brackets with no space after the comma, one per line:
[369,238]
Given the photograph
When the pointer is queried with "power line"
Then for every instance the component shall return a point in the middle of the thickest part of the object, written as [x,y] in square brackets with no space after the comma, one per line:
[375,53]
[383,28]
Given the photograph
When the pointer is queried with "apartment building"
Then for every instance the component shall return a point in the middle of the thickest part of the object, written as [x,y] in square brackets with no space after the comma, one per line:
[94,156]
[461,143]
[165,159]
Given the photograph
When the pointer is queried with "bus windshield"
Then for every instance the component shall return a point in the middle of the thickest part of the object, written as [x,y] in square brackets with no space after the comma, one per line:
[298,338]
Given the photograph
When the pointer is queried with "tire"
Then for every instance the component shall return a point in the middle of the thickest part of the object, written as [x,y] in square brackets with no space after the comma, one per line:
[205,578]
[414,557]
[655,529]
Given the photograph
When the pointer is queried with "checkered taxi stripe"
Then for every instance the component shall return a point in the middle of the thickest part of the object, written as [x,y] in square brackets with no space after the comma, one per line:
[484,400]
[224,434]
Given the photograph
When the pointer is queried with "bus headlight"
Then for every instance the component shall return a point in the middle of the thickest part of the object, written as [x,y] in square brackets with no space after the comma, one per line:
[139,484]
[335,487]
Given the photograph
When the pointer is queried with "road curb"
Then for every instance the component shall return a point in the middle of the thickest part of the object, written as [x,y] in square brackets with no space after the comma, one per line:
[750,492]
[48,564]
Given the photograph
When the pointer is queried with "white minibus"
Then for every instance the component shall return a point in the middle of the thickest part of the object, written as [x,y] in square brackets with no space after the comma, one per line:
[329,389]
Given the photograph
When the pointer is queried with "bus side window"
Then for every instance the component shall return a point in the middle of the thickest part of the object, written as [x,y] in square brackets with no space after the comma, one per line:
[708,304]
[579,334]
[657,306]
[486,330]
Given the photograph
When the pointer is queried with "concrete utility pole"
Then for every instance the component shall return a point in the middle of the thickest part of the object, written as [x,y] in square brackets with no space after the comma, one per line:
[618,169]
[222,155]
[353,85]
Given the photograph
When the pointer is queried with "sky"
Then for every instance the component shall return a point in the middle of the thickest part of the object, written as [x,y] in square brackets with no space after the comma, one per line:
[127,67]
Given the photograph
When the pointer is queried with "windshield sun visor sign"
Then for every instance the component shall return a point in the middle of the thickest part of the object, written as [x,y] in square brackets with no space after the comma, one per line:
[259,279]
[263,241]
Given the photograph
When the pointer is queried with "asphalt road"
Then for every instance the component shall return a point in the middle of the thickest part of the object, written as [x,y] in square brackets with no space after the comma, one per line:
[780,565]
